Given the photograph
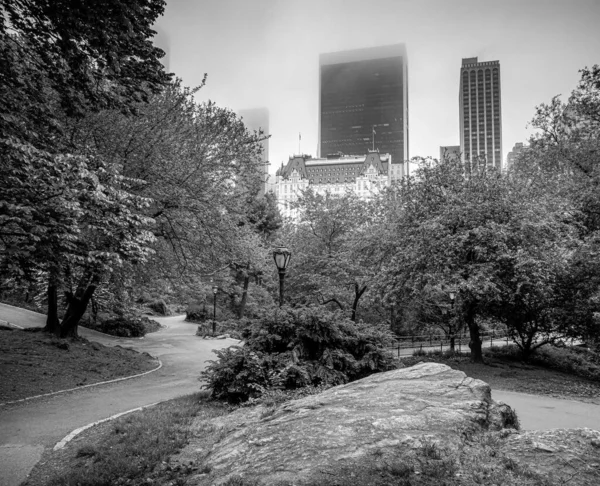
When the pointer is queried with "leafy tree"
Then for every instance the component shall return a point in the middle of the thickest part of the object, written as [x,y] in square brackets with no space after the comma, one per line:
[480,236]
[94,54]
[325,265]
[200,167]
[68,216]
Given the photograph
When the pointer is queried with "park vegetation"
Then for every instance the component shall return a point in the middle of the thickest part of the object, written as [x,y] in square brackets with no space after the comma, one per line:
[122,192]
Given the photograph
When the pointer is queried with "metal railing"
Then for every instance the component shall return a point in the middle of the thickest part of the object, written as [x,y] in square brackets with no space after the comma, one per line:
[407,345]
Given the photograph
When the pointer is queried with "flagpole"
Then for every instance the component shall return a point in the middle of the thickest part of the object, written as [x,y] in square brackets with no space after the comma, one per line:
[373,138]
[299,140]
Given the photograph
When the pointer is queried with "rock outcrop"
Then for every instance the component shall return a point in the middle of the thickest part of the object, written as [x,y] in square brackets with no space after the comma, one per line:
[385,414]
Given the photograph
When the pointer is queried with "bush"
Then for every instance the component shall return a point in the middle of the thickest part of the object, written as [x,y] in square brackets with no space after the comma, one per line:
[234,327]
[294,348]
[124,326]
[160,307]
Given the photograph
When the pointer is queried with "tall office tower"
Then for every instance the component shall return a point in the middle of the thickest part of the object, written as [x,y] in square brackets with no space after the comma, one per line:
[480,113]
[256,119]
[363,103]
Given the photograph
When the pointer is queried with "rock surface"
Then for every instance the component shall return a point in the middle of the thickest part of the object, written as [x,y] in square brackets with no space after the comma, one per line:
[382,414]
[562,456]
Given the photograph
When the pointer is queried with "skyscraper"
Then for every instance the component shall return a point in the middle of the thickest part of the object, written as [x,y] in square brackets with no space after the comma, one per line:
[363,103]
[480,113]
[257,119]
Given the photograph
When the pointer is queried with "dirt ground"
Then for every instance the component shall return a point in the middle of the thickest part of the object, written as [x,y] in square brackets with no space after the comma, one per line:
[34,363]
[524,378]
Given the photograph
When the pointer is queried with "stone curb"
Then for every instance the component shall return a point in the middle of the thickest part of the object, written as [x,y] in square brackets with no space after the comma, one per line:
[68,438]
[86,386]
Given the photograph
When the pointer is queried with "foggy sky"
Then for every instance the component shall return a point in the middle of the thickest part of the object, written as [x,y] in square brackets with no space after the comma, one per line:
[265,53]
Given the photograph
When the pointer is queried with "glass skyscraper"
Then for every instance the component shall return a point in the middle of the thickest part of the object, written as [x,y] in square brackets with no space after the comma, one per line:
[363,103]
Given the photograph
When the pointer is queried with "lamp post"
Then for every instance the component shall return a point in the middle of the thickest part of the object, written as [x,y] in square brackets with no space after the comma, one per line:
[215,289]
[281,255]
[450,325]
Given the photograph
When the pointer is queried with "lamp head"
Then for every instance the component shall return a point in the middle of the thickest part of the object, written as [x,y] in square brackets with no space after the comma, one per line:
[282,256]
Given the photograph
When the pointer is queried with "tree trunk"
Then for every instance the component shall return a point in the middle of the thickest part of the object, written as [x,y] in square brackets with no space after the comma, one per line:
[357,295]
[475,338]
[242,305]
[52,322]
[77,305]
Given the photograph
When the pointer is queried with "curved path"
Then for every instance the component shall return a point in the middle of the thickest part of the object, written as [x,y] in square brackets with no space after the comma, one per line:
[27,428]
[537,412]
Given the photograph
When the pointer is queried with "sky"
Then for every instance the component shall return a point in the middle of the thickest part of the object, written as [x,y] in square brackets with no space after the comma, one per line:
[265,53]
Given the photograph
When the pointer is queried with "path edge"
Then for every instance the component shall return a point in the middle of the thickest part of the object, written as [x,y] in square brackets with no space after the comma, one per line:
[160,364]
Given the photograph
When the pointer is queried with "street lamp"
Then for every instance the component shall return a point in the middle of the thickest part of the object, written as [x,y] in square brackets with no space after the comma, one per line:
[281,255]
[215,289]
[452,296]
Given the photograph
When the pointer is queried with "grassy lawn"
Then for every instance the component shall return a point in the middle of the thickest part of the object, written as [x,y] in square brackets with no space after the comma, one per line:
[34,363]
[133,449]
[556,372]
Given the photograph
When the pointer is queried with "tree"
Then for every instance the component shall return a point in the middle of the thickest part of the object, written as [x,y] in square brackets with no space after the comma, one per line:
[325,267]
[67,216]
[478,235]
[95,54]
[200,166]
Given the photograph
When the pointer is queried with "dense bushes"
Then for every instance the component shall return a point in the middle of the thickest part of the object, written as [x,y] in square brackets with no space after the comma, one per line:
[126,326]
[294,348]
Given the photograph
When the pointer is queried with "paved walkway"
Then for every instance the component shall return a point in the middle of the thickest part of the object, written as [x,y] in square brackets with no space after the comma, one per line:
[540,413]
[28,428]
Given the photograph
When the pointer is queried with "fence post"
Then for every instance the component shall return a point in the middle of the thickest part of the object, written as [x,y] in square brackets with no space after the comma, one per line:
[441,346]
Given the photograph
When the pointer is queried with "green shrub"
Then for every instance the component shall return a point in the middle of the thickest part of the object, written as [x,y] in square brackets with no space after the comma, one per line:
[123,327]
[294,348]
[233,327]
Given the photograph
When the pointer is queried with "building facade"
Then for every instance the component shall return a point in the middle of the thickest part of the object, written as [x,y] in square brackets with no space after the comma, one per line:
[364,175]
[518,148]
[363,103]
[257,119]
[480,113]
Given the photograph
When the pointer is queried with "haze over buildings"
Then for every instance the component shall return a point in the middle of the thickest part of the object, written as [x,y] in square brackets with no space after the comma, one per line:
[265,53]
[363,102]
[257,119]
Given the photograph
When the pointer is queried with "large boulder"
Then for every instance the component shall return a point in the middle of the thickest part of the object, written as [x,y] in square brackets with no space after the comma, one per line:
[383,414]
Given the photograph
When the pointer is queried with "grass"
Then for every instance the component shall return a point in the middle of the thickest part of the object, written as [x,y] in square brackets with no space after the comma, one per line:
[133,450]
[35,363]
[572,373]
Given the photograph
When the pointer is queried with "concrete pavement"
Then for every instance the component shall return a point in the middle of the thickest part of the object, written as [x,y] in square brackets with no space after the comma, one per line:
[537,412]
[28,428]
